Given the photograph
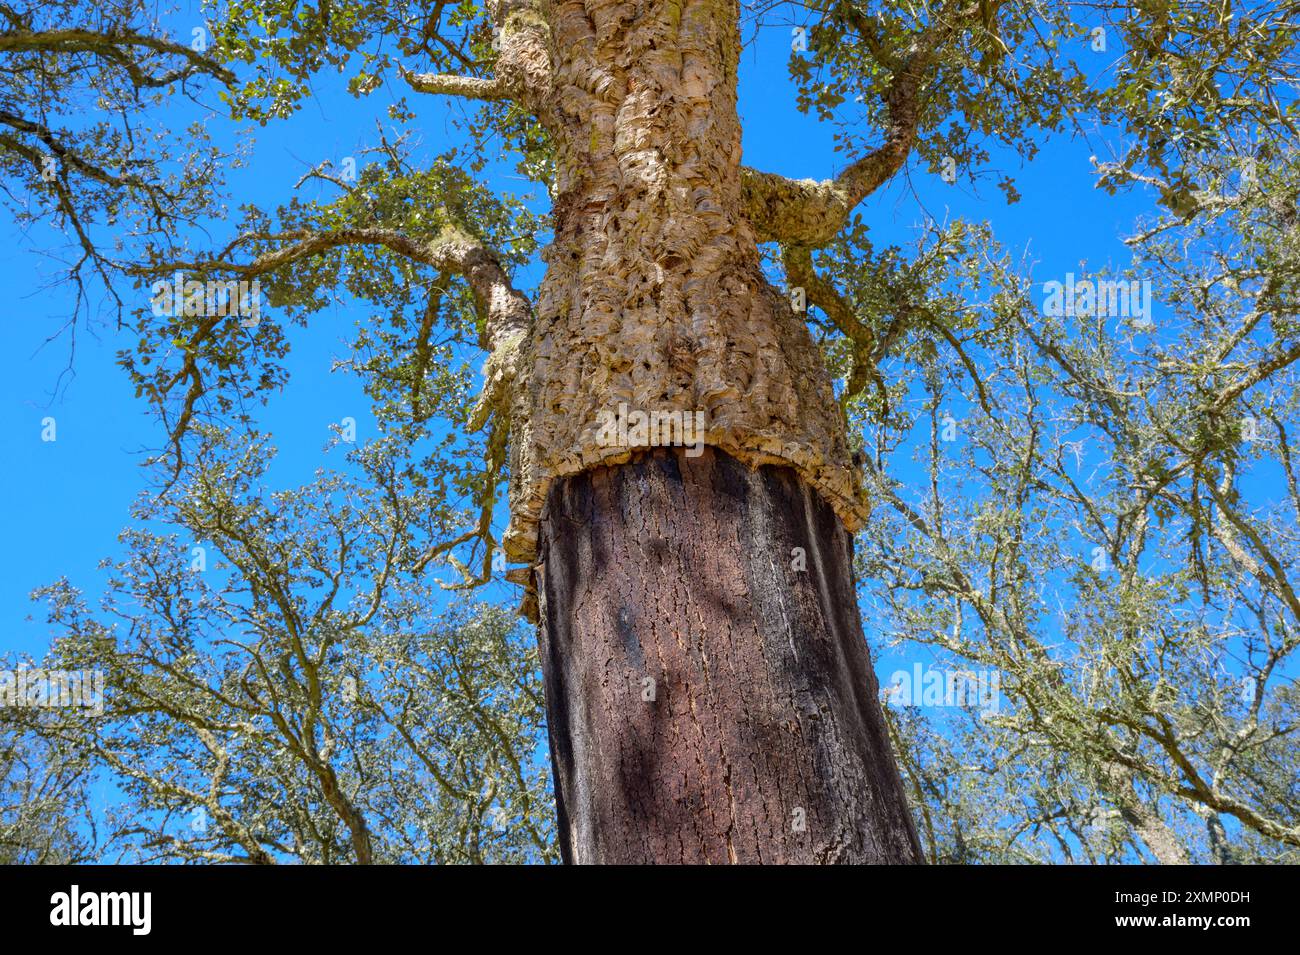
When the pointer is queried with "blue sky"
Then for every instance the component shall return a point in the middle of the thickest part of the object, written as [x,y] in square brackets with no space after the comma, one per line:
[70,497]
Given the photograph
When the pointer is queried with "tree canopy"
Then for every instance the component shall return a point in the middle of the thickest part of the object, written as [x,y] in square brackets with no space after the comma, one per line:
[1101,508]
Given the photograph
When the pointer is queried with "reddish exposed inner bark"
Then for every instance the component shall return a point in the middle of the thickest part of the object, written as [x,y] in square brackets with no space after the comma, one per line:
[761,737]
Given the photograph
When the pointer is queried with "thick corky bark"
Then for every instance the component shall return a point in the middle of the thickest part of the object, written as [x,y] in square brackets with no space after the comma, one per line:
[708,684]
[654,296]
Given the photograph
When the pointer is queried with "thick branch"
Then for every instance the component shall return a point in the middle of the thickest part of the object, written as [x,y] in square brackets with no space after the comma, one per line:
[111,46]
[523,66]
[808,212]
[1151,829]
[449,84]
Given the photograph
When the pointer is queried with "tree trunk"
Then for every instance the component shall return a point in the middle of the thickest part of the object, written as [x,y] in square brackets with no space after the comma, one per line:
[709,692]
[708,687]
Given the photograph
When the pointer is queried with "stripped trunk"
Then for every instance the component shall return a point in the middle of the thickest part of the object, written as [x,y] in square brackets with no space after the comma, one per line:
[708,688]
[709,693]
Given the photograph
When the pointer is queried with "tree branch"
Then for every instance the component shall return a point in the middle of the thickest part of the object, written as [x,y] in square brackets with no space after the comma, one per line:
[819,291]
[109,45]
[506,312]
[809,212]
[449,84]
[523,65]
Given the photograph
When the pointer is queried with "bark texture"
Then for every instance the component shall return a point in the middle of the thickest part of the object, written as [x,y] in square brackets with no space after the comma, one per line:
[654,297]
[708,684]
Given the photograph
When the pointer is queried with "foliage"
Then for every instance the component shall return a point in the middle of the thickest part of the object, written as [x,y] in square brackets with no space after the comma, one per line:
[1100,509]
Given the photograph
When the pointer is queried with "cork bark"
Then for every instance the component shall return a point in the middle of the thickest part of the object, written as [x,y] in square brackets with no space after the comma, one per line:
[709,691]
[654,298]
